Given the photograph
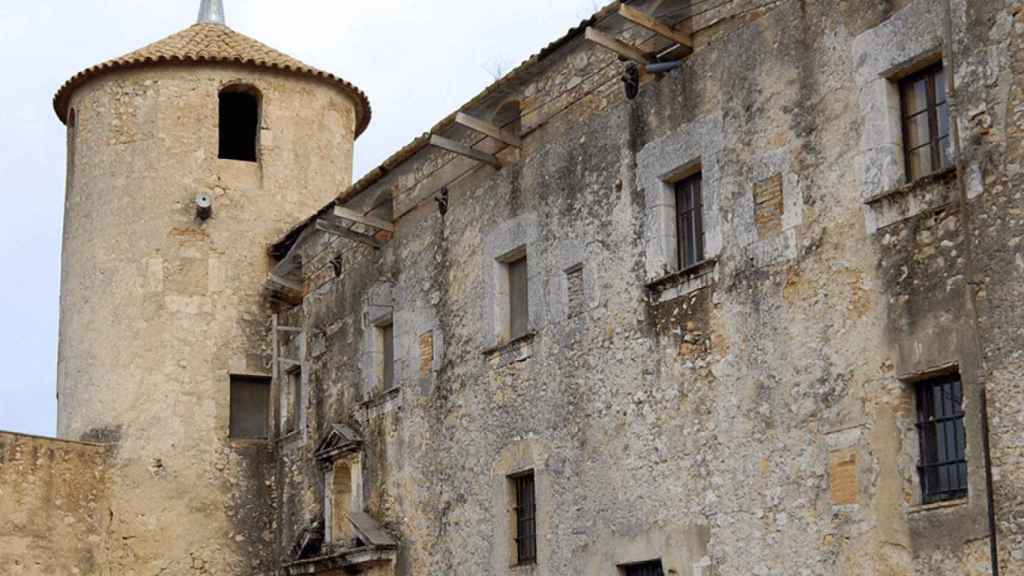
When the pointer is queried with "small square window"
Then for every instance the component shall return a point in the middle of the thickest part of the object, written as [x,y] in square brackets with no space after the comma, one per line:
[925,113]
[652,568]
[250,407]
[940,426]
[525,517]
[689,221]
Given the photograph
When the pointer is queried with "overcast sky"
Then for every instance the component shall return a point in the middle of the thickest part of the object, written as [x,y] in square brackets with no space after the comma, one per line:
[418,60]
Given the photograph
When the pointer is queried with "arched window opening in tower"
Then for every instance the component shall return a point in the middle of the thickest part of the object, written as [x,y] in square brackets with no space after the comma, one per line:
[239,123]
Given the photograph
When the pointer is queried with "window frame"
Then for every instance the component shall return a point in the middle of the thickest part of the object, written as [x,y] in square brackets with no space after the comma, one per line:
[688,194]
[266,383]
[939,160]
[385,329]
[292,406]
[524,535]
[935,430]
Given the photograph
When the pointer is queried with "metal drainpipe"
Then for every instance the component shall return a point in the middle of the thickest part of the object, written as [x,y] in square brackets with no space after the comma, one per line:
[970,304]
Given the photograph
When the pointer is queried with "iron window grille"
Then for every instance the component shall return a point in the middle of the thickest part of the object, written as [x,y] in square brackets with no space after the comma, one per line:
[690,221]
[525,517]
[652,568]
[925,115]
[940,426]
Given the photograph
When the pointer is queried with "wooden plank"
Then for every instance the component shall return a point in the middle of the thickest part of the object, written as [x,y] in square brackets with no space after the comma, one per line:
[488,129]
[618,46]
[359,218]
[285,282]
[328,226]
[640,19]
[463,150]
[287,328]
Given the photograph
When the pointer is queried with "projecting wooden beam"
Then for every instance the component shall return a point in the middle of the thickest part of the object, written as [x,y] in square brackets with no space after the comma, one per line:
[618,46]
[330,226]
[488,129]
[286,283]
[640,19]
[352,215]
[463,150]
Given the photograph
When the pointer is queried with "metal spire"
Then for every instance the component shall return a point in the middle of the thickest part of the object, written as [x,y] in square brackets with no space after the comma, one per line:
[211,12]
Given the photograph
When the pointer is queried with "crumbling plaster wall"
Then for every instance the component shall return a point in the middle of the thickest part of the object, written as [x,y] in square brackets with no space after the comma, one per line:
[159,308]
[751,417]
[54,507]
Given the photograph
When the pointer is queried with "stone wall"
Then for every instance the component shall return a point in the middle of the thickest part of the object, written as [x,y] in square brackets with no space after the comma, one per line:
[54,507]
[752,415]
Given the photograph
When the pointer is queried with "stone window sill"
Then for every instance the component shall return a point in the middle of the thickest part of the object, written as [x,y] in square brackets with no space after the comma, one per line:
[683,276]
[920,508]
[511,344]
[921,183]
[381,398]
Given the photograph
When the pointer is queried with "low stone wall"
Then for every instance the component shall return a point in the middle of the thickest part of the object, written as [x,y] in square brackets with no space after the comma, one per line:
[53,506]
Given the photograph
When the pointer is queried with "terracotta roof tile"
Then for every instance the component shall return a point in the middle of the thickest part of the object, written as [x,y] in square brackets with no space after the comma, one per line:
[212,43]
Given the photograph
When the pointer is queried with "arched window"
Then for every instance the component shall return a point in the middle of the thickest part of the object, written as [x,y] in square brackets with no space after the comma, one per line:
[239,123]
[509,116]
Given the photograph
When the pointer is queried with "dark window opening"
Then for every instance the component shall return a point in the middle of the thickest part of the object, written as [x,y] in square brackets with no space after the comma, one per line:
[519,301]
[652,568]
[940,427]
[387,335]
[925,115]
[525,517]
[239,125]
[690,221]
[250,407]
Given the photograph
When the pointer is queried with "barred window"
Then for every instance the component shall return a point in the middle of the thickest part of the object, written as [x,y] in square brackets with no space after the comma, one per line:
[690,221]
[525,517]
[940,425]
[652,568]
[925,122]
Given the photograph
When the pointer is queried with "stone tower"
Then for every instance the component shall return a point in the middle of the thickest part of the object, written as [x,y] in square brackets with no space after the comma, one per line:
[186,159]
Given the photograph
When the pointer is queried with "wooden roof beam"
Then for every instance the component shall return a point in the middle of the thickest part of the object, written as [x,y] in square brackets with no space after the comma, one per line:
[488,129]
[624,50]
[331,225]
[463,150]
[364,219]
[643,20]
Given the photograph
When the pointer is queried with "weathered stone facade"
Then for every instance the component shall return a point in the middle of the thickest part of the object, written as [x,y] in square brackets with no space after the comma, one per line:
[752,414]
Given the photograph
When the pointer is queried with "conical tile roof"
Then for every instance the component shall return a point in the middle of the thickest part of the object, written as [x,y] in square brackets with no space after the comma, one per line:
[208,42]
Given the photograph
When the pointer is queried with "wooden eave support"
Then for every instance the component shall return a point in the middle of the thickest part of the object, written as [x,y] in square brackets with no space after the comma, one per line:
[335,226]
[624,50]
[645,21]
[365,220]
[284,282]
[488,129]
[463,150]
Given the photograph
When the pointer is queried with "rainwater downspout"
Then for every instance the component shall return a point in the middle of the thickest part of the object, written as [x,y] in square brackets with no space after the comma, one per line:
[970,276]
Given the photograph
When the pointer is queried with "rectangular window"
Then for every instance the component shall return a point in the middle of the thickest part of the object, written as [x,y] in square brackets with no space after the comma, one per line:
[925,122]
[292,404]
[341,503]
[525,517]
[518,293]
[387,353]
[940,427]
[250,407]
[690,221]
[652,568]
